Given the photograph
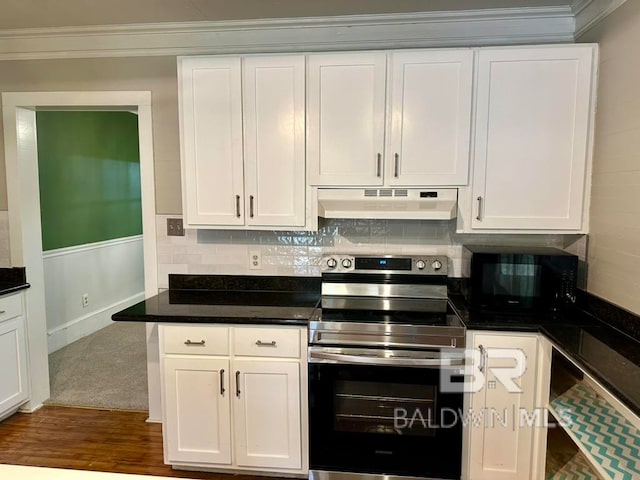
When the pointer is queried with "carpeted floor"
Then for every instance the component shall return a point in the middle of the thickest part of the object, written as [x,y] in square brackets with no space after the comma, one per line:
[107,369]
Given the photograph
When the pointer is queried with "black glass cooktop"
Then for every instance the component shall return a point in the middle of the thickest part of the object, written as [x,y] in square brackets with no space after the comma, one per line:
[436,319]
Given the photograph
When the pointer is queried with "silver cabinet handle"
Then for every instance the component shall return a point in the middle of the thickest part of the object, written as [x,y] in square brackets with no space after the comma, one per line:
[379,165]
[251,206]
[189,343]
[483,358]
[238,206]
[260,343]
[479,216]
[238,383]
[222,382]
[396,168]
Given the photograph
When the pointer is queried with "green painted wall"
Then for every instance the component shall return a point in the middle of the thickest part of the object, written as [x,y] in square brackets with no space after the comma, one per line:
[89,172]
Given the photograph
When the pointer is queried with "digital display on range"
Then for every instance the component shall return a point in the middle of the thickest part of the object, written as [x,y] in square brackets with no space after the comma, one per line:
[378,263]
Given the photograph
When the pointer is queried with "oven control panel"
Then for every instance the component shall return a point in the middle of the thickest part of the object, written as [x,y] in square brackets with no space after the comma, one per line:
[398,264]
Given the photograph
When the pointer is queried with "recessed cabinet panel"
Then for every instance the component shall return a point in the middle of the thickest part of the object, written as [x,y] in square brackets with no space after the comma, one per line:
[533,119]
[211,131]
[430,106]
[267,417]
[13,364]
[274,133]
[346,109]
[197,405]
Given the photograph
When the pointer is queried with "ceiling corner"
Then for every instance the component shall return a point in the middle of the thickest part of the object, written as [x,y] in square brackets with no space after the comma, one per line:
[588,13]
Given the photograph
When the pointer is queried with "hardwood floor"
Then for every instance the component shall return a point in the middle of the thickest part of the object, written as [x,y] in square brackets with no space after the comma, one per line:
[87,439]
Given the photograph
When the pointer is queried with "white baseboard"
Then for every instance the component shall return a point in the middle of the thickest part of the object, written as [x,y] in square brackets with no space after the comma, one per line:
[81,327]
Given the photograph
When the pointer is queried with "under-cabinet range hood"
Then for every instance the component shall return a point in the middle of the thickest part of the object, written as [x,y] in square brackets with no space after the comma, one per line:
[388,203]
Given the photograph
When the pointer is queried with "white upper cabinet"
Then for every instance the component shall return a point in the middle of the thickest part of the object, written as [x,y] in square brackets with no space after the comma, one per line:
[430,117]
[274,127]
[242,131]
[211,133]
[533,114]
[346,115]
[421,101]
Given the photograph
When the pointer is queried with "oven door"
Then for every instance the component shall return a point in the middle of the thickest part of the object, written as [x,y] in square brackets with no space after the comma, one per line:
[382,412]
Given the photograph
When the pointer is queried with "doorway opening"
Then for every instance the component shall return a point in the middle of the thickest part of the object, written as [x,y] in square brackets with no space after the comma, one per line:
[25,236]
[91,219]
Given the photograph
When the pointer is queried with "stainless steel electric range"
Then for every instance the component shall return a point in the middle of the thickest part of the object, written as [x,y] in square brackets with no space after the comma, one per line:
[377,350]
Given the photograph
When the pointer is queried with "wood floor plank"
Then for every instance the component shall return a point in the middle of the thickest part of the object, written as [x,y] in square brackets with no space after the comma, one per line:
[86,439]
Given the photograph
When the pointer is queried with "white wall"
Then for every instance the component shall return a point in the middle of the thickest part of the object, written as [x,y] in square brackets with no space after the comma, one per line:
[614,240]
[5,252]
[110,272]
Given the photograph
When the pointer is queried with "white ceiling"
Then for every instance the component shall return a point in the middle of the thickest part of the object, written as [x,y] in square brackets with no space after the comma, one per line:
[18,14]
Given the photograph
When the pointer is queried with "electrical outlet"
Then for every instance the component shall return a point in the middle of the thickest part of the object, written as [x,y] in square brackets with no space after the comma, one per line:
[175,227]
[85,300]
[255,260]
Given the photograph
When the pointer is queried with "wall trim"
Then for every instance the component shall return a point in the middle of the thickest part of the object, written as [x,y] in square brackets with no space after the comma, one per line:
[423,29]
[58,252]
[589,13]
[80,327]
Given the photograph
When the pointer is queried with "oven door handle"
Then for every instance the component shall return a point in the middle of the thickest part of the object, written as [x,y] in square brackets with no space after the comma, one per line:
[397,360]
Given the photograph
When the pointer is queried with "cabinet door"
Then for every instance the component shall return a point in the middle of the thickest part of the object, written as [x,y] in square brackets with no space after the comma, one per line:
[197,416]
[430,121]
[267,414]
[532,129]
[211,134]
[499,447]
[13,365]
[274,126]
[346,112]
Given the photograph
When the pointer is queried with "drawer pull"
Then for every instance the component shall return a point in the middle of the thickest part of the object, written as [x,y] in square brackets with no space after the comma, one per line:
[195,344]
[2,311]
[238,383]
[260,343]
[222,382]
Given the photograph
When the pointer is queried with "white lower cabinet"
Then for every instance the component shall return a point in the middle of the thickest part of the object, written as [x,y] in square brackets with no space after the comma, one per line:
[234,398]
[13,355]
[267,414]
[197,424]
[507,437]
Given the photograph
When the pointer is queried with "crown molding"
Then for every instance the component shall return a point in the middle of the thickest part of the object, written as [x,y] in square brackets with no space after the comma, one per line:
[588,13]
[434,29]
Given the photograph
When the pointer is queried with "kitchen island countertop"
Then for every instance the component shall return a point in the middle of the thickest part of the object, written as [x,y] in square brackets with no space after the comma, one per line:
[229,299]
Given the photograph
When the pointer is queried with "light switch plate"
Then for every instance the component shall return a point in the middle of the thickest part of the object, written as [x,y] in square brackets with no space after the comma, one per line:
[174,227]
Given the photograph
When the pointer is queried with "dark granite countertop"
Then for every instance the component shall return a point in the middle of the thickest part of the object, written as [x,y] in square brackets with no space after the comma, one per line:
[608,354]
[229,299]
[12,280]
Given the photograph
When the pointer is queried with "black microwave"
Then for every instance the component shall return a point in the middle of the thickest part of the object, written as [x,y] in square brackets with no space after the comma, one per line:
[522,278]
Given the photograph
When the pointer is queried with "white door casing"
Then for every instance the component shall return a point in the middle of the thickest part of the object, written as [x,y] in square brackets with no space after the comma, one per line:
[25,236]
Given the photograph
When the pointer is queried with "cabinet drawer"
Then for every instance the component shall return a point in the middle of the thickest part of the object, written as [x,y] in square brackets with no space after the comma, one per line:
[196,339]
[266,342]
[10,306]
